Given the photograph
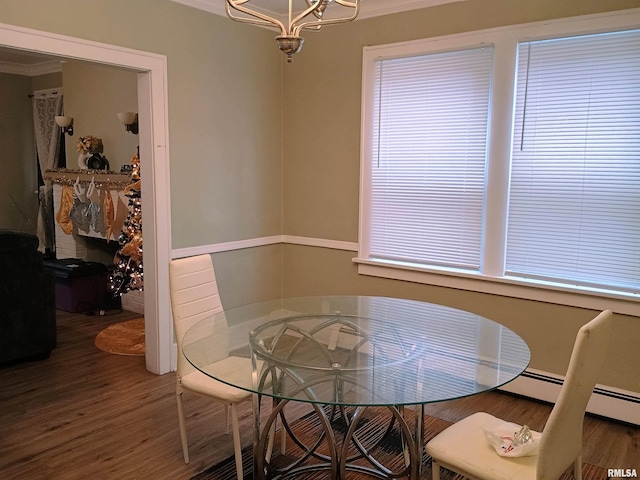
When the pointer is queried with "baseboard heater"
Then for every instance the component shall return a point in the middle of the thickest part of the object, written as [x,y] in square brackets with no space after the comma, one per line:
[606,401]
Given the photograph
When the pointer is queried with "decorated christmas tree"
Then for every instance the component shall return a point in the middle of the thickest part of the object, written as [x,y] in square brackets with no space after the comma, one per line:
[128,274]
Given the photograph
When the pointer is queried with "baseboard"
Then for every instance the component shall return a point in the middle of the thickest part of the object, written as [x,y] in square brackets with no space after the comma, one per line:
[606,401]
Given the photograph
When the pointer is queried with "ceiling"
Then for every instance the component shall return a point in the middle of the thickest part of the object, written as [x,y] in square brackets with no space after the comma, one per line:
[23,62]
[368,8]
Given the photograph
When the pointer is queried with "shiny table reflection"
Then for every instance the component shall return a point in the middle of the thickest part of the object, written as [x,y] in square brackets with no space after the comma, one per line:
[342,354]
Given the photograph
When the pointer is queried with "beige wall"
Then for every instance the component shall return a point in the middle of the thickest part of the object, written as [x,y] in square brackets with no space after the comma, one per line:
[322,167]
[19,180]
[93,95]
[48,80]
[239,172]
[225,118]
[249,275]
[322,102]
[548,329]
[225,106]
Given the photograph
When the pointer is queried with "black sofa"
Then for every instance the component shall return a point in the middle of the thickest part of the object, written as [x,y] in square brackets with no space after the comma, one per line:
[27,300]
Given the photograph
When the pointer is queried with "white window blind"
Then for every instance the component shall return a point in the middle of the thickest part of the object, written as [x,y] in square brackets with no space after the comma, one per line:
[430,119]
[574,204]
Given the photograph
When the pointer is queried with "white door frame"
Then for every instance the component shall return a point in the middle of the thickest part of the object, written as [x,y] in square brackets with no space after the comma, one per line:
[154,169]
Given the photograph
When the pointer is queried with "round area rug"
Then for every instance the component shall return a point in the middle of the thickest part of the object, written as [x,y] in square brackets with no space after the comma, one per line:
[124,338]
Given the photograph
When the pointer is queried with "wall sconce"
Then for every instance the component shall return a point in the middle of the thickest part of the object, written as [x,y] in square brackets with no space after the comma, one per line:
[66,123]
[130,120]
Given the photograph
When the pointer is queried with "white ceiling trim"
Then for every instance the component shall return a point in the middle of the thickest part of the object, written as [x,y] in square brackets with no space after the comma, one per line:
[369,8]
[34,70]
[376,8]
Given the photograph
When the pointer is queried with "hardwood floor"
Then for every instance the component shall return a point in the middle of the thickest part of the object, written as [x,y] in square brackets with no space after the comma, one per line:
[87,414]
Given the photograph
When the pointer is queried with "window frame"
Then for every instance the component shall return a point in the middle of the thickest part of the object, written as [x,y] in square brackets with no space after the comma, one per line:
[491,278]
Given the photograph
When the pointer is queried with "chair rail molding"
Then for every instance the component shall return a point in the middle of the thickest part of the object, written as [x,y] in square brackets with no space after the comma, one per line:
[263,241]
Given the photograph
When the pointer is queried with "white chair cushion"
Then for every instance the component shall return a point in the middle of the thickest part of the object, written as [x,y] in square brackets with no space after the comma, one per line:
[236,369]
[464,445]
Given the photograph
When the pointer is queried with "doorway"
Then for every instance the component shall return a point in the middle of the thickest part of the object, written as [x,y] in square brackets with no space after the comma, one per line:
[151,70]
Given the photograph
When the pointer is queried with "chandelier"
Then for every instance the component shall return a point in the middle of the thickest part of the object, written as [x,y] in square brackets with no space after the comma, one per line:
[311,18]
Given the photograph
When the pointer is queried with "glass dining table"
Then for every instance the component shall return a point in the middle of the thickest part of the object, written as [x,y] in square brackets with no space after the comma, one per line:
[340,381]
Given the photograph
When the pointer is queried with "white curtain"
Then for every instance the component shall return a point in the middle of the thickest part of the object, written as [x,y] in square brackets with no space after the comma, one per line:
[46,105]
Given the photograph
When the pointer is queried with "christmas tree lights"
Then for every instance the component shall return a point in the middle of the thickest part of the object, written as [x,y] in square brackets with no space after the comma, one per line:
[128,272]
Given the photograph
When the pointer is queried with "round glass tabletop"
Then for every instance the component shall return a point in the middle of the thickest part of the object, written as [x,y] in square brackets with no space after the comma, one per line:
[356,350]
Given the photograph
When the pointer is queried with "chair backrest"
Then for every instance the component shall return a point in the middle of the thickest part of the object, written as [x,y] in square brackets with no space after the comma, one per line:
[561,441]
[194,296]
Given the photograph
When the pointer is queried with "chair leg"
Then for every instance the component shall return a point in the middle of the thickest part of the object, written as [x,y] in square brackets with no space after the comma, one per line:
[183,429]
[272,436]
[235,426]
[577,468]
[272,432]
[283,439]
[227,416]
[435,468]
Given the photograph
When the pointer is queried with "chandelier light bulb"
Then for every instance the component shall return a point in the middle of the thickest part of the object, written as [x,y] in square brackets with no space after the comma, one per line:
[319,11]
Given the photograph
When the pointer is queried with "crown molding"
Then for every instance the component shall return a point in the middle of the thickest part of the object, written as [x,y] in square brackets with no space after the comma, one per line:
[377,8]
[368,9]
[34,70]
[211,6]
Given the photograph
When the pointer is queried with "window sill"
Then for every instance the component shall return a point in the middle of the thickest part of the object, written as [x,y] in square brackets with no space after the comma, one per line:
[628,304]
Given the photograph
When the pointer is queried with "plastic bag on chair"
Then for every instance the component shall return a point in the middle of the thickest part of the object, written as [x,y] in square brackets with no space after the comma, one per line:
[513,440]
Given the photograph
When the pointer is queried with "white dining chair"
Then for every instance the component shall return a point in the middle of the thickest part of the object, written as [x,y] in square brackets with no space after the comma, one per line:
[464,449]
[194,296]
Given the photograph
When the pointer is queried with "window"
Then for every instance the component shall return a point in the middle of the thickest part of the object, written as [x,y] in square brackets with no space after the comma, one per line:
[429,154]
[574,203]
[507,161]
